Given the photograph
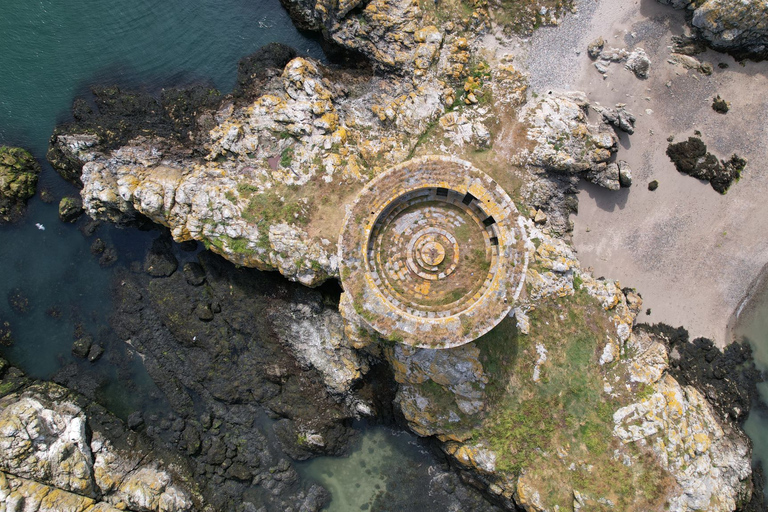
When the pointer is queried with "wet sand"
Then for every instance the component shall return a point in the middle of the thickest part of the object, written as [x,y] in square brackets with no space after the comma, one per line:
[692,253]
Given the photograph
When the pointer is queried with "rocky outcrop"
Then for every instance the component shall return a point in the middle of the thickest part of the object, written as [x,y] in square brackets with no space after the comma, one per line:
[567,143]
[499,409]
[57,455]
[738,27]
[691,157]
[18,180]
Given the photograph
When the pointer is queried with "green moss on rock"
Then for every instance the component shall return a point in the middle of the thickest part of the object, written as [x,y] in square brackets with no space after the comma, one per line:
[18,179]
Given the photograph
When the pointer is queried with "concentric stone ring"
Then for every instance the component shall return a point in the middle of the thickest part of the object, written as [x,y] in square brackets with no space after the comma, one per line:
[431,253]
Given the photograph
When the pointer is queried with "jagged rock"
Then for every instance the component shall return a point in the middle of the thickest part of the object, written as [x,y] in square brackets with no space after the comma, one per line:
[738,27]
[194,273]
[639,63]
[703,455]
[369,28]
[70,209]
[691,157]
[82,346]
[595,48]
[685,45]
[97,350]
[625,174]
[18,179]
[565,141]
[607,177]
[619,117]
[51,454]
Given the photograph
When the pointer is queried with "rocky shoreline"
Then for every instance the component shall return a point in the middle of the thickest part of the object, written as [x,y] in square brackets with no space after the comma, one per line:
[627,416]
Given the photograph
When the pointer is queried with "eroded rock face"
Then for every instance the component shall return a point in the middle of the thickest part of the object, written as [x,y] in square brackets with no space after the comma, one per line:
[52,456]
[18,180]
[567,143]
[738,27]
[657,428]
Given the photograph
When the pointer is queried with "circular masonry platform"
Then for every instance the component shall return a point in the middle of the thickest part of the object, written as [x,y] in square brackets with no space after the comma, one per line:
[432,253]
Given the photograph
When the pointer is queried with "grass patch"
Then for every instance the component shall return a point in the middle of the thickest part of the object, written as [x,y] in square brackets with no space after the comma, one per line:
[528,423]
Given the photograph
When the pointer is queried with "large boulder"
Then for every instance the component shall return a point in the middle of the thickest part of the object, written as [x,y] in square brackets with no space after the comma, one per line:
[18,179]
[738,27]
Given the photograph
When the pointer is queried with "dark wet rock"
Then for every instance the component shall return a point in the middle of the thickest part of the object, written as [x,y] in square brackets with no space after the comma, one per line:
[216,377]
[653,185]
[6,335]
[691,157]
[54,312]
[70,209]
[19,301]
[728,378]
[188,246]
[18,179]
[720,106]
[46,195]
[256,67]
[135,420]
[123,115]
[686,45]
[618,117]
[95,353]
[98,246]
[108,257]
[89,227]
[203,312]
[82,346]
[160,261]
[193,273]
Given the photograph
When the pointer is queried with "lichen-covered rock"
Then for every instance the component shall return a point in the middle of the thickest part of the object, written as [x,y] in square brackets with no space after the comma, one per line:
[53,458]
[70,209]
[708,460]
[738,27]
[567,143]
[388,32]
[18,180]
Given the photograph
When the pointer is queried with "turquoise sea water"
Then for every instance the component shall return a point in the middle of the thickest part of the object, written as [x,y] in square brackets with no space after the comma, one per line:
[52,52]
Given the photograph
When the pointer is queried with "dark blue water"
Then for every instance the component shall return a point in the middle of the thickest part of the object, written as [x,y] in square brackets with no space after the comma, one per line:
[52,52]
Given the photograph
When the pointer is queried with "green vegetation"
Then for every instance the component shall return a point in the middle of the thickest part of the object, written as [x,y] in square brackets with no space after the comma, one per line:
[286,157]
[566,412]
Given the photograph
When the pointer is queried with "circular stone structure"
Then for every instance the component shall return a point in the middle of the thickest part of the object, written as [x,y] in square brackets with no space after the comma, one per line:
[431,253]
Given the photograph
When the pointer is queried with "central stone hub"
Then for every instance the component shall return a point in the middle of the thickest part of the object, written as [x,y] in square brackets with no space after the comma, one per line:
[433,253]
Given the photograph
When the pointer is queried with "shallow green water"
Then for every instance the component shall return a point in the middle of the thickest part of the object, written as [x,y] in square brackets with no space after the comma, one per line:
[753,325]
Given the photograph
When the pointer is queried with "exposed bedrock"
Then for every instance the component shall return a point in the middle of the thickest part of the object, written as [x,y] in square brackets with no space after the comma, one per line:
[58,451]
[738,27]
[567,388]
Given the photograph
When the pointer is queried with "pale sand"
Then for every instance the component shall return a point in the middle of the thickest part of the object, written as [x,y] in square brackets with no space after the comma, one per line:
[689,251]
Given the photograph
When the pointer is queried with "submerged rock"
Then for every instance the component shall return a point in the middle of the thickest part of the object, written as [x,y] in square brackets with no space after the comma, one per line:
[18,179]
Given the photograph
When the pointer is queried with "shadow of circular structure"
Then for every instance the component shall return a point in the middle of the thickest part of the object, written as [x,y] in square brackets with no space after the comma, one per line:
[432,253]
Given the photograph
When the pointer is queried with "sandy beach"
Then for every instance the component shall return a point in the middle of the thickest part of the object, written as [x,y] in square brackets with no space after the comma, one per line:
[692,253]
